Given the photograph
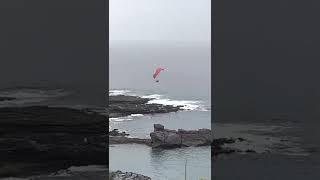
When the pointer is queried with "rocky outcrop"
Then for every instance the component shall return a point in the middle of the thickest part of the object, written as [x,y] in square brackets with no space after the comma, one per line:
[119,175]
[115,132]
[76,173]
[120,106]
[219,148]
[7,98]
[46,139]
[127,140]
[166,138]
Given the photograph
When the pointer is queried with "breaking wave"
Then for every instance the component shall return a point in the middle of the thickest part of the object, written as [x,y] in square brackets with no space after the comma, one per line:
[161,99]
[118,92]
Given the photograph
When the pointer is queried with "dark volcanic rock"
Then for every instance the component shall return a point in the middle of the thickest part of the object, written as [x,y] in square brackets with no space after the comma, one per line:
[115,132]
[7,98]
[76,173]
[219,148]
[118,175]
[170,138]
[158,127]
[121,105]
[47,136]
[122,99]
[222,141]
[165,138]
[127,140]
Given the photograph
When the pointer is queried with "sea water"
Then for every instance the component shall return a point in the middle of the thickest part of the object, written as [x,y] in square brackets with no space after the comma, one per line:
[186,82]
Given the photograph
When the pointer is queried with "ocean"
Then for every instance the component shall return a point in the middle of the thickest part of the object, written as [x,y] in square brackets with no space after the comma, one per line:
[185,81]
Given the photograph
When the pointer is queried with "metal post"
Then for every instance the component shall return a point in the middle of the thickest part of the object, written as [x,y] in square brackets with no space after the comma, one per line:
[185,171]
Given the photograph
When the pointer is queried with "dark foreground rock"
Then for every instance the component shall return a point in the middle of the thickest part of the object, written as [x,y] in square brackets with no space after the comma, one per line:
[39,139]
[76,173]
[118,175]
[120,106]
[7,98]
[218,146]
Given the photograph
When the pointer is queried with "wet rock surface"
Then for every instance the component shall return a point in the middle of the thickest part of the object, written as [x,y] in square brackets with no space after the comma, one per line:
[219,148]
[119,175]
[166,138]
[128,140]
[121,105]
[7,98]
[77,173]
[115,132]
[41,139]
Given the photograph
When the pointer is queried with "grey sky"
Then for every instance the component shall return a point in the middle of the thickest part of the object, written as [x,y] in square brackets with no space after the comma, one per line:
[173,20]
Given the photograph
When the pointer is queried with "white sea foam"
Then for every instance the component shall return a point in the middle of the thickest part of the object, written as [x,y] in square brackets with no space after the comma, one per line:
[127,118]
[136,115]
[113,119]
[161,99]
[118,92]
[185,104]
[153,96]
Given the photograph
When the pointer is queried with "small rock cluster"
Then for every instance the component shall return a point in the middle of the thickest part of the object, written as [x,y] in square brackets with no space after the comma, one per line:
[115,132]
[118,175]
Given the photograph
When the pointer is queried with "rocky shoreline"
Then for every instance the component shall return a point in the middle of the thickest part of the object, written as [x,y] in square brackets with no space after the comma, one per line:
[41,139]
[168,139]
[119,175]
[7,98]
[121,106]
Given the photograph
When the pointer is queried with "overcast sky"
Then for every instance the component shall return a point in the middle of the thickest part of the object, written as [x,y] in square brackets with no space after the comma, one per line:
[168,20]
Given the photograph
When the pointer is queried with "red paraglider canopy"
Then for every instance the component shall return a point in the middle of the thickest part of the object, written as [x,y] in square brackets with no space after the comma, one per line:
[156,73]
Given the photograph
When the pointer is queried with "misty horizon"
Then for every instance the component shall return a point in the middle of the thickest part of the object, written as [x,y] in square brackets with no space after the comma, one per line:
[145,20]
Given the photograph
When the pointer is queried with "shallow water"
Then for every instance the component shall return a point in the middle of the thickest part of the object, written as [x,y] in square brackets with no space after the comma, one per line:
[162,164]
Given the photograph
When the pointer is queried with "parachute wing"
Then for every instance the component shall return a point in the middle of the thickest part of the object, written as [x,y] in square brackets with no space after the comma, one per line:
[157,72]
